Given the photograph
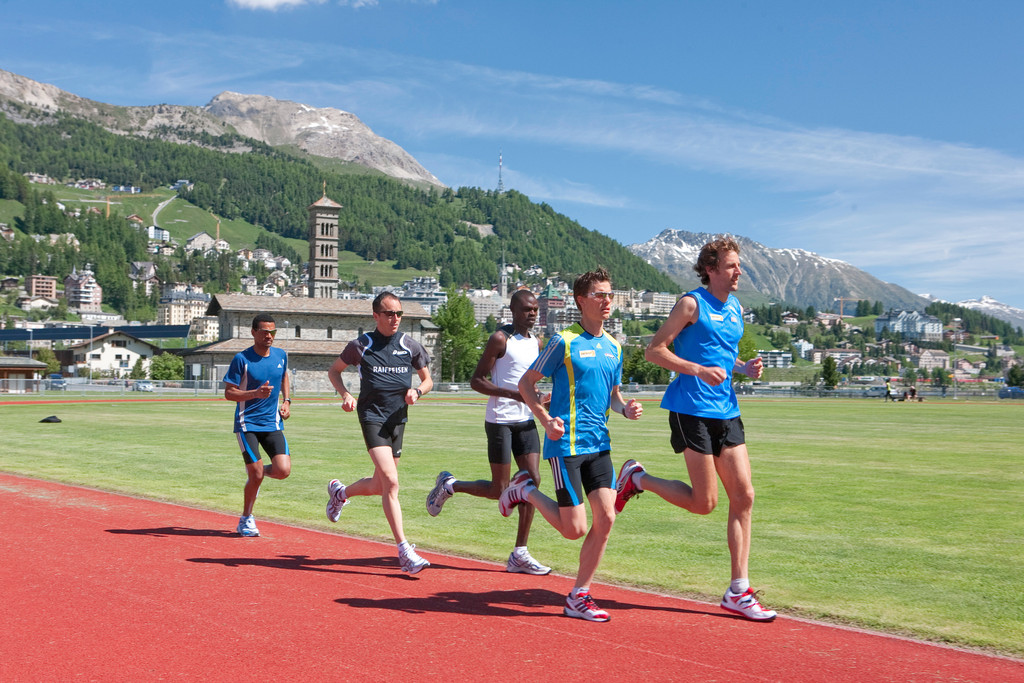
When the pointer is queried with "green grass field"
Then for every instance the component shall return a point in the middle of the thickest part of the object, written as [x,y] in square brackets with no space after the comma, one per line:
[900,518]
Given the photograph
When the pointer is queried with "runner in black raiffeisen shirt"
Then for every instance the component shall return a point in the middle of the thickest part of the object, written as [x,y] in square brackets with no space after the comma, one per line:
[385,359]
[385,366]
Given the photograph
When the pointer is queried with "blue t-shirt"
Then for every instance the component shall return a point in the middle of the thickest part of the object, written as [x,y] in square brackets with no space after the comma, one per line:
[584,369]
[712,341]
[249,370]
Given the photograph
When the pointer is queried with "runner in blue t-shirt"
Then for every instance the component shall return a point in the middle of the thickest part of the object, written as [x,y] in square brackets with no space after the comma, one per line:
[699,341]
[255,380]
[585,364]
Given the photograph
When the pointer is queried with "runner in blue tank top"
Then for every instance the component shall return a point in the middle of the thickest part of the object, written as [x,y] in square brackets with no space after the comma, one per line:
[699,342]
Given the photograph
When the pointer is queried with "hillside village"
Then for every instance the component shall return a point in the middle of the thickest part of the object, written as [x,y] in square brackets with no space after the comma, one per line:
[915,346]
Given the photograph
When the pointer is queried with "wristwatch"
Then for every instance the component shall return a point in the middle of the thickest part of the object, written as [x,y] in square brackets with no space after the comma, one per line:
[418,392]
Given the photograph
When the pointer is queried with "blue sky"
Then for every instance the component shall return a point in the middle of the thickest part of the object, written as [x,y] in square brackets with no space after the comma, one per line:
[886,134]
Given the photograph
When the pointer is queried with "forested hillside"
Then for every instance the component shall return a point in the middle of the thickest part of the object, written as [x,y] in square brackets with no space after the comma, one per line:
[382,218]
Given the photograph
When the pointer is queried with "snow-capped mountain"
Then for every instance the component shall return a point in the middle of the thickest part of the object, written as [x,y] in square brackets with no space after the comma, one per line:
[795,276]
[989,306]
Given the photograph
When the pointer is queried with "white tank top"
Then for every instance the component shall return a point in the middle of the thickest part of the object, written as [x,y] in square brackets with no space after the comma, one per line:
[520,352]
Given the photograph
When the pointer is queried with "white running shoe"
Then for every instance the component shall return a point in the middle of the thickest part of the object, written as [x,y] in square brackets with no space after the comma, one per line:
[584,607]
[410,561]
[513,493]
[523,563]
[247,526]
[337,500]
[439,494]
[746,605]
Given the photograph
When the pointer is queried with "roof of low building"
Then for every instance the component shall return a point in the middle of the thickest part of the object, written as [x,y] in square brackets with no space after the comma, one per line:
[9,362]
[245,303]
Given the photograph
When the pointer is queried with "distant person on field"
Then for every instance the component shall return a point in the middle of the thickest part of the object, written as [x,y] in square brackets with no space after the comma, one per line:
[888,392]
[699,343]
[509,425]
[585,365]
[386,359]
[255,380]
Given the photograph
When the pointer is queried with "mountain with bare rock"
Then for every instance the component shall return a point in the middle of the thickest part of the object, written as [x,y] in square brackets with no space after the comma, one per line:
[794,276]
[320,132]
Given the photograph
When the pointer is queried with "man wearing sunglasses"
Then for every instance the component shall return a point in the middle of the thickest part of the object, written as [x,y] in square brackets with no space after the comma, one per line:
[255,380]
[585,366]
[385,359]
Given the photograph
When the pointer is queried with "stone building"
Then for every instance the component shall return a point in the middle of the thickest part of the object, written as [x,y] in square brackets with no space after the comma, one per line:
[313,332]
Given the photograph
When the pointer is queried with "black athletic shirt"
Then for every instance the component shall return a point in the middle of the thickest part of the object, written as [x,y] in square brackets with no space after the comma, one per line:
[385,366]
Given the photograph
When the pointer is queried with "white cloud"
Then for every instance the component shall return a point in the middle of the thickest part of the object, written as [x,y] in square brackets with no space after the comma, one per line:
[273,5]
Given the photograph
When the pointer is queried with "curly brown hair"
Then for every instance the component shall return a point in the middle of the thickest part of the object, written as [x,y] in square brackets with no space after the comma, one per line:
[709,255]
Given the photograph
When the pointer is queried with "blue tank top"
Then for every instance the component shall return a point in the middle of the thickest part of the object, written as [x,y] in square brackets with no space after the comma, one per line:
[713,341]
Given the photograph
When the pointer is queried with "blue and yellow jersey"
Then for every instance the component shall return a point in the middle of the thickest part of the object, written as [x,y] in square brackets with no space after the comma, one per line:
[584,370]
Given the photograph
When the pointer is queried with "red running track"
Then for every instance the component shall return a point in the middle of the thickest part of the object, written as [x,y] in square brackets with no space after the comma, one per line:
[98,586]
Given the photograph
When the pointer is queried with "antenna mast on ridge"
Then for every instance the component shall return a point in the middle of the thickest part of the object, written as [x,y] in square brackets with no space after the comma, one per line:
[501,185]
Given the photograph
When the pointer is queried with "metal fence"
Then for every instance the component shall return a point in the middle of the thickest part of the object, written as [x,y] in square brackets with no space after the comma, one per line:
[97,388]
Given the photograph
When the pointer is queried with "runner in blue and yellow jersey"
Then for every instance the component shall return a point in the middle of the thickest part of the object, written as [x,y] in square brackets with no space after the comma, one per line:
[700,342]
[585,364]
[255,380]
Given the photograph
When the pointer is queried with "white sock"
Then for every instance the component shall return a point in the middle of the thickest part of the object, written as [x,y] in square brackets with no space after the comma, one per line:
[403,546]
[579,589]
[636,479]
[447,486]
[519,550]
[739,586]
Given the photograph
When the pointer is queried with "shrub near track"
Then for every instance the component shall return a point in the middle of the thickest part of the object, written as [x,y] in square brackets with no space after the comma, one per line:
[901,518]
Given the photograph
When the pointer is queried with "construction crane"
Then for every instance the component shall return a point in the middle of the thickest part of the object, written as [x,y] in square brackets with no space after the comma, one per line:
[842,299]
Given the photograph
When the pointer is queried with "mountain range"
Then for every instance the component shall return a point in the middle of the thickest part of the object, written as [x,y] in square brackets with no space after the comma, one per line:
[793,276]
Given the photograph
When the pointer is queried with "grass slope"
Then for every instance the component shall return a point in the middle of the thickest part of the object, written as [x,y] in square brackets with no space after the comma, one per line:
[902,518]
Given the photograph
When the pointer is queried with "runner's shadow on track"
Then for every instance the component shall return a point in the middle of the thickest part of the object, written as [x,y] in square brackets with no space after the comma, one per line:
[502,603]
[330,564]
[175,531]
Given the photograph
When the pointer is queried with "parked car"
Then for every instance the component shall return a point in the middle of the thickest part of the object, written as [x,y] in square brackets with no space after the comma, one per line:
[57,382]
[452,387]
[143,385]
[1011,392]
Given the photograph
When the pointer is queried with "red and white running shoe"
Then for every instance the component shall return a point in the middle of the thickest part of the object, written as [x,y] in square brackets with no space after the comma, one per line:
[746,605]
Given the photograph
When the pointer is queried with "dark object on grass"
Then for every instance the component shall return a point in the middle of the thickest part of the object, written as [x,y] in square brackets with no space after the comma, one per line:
[52,418]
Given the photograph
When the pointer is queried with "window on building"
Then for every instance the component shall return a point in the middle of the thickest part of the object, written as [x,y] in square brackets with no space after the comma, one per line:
[298,331]
[330,332]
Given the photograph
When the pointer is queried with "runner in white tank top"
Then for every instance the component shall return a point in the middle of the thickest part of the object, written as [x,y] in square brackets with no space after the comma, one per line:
[511,430]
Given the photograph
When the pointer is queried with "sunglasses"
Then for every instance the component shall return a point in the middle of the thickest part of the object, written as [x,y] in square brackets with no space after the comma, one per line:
[391,314]
[601,295]
[272,333]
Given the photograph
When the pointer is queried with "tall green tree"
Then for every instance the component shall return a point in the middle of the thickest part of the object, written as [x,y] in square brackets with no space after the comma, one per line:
[461,337]
[829,372]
